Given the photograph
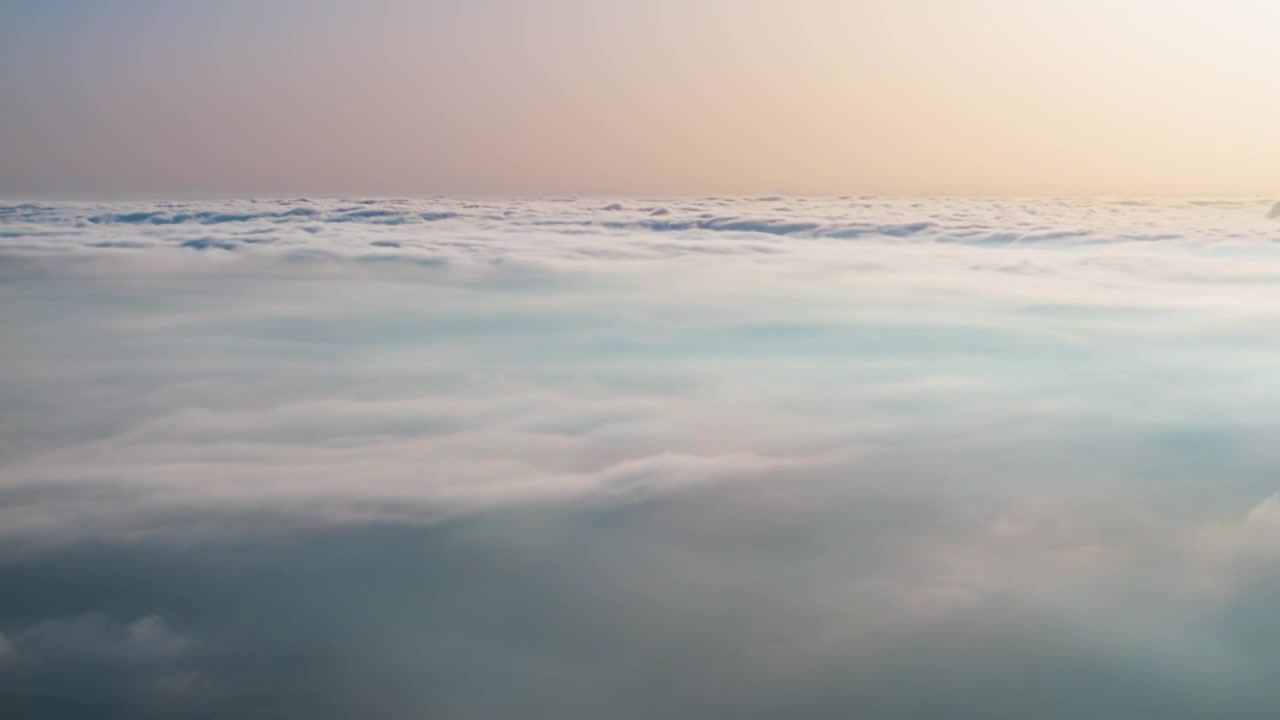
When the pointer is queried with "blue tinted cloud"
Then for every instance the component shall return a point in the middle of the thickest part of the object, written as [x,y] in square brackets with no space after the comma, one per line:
[690,458]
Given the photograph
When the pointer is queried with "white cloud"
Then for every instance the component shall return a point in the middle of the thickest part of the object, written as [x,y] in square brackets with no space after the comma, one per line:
[454,231]
[358,359]
[779,444]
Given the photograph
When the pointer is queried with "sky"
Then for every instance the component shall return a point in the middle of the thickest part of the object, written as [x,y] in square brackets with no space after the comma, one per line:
[150,99]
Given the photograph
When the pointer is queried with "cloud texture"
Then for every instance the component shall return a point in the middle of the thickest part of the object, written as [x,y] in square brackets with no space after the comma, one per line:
[706,457]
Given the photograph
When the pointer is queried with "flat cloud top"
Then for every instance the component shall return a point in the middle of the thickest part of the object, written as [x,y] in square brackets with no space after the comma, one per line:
[695,458]
[448,229]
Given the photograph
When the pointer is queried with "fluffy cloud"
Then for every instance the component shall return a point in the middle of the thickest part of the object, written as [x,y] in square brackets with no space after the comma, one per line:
[326,458]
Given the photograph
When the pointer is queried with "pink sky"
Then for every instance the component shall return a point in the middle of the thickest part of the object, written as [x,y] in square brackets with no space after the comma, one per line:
[140,98]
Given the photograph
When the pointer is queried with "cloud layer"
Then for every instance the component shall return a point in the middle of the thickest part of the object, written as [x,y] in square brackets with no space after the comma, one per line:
[714,457]
[589,228]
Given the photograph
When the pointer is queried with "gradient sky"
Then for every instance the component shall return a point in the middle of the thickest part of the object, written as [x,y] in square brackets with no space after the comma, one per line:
[673,97]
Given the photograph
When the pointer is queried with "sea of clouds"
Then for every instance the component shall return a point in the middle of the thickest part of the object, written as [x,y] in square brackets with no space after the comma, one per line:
[719,457]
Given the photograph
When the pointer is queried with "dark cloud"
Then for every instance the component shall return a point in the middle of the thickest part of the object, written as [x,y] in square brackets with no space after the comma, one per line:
[832,606]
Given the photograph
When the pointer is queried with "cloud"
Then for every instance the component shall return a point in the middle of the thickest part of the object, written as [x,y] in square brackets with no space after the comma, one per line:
[88,664]
[151,637]
[1275,211]
[797,591]
[7,653]
[95,638]
[568,231]
[553,355]
[687,457]
[1266,514]
[1237,548]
